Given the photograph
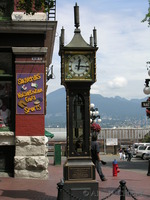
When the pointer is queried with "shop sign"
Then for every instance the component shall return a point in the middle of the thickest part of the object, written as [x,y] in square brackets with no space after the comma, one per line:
[111,141]
[30,93]
[145,104]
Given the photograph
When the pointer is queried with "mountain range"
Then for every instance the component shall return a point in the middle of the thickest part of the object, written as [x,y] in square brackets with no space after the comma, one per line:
[114,111]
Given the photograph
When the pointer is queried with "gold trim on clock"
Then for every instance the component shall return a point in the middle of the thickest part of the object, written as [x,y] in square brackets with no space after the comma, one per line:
[79,67]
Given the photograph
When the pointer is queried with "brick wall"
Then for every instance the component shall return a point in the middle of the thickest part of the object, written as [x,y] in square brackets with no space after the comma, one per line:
[30,125]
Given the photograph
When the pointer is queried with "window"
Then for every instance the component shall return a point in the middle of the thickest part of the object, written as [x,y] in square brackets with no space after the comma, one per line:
[6,8]
[142,147]
[78,124]
[5,91]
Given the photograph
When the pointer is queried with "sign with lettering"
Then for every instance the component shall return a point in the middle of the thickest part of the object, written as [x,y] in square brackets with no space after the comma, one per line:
[145,104]
[80,173]
[111,141]
[30,93]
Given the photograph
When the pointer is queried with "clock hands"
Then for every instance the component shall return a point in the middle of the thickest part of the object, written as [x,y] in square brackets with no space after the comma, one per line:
[79,65]
[79,61]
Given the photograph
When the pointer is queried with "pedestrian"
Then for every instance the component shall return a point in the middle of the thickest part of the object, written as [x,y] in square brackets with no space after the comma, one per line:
[95,153]
[123,155]
[120,153]
[129,152]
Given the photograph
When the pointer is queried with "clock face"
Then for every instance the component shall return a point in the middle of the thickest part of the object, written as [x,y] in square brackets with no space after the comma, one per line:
[79,66]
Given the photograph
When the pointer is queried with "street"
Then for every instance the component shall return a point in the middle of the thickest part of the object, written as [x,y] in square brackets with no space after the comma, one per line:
[136,164]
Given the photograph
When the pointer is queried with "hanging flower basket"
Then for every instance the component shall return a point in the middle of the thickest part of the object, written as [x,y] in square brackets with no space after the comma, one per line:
[148,110]
[33,6]
[95,128]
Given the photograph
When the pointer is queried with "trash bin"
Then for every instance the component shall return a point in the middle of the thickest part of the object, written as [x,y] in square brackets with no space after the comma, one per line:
[57,154]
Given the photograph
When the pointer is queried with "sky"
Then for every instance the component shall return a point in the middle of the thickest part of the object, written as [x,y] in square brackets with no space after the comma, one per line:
[123,42]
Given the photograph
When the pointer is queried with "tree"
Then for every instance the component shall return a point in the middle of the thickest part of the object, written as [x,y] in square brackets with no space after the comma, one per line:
[147,16]
[146,138]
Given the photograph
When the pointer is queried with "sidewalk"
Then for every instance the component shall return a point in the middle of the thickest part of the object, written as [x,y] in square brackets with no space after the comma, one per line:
[24,189]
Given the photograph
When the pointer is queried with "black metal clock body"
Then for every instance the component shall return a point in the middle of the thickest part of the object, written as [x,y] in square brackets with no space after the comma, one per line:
[78,126]
[78,73]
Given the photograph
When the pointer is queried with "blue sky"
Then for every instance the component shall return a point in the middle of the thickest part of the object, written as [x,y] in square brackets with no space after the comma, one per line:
[123,41]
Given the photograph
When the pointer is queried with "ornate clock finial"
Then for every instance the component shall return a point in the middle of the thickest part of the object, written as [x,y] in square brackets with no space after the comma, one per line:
[62,36]
[91,40]
[95,37]
[76,16]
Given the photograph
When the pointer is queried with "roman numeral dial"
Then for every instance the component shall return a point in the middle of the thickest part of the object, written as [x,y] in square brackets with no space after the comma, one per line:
[79,66]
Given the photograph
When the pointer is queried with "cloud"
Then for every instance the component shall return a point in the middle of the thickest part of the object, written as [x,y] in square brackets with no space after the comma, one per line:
[123,43]
[118,82]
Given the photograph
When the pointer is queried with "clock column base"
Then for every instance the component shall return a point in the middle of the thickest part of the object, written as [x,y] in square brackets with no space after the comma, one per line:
[79,181]
[78,190]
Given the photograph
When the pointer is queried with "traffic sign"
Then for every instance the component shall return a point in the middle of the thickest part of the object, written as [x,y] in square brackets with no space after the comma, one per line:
[145,104]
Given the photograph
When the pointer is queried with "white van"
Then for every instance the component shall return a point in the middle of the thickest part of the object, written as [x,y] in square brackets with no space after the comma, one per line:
[142,150]
[136,145]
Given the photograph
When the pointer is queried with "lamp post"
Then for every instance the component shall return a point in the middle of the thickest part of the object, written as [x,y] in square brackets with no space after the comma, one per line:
[94,120]
[94,114]
[146,91]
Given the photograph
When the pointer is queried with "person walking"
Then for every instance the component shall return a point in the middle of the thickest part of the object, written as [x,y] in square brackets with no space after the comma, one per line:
[129,152]
[120,153]
[95,150]
[123,155]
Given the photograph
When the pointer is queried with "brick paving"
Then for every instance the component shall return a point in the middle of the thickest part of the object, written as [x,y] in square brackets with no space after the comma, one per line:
[31,189]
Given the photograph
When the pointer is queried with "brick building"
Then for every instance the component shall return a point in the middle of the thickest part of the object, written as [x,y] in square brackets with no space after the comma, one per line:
[26,48]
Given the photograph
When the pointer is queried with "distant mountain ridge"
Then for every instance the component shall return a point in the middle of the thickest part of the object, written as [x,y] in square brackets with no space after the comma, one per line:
[114,111]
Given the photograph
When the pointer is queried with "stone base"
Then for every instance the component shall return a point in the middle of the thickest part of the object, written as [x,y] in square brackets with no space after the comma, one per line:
[79,190]
[41,174]
[30,160]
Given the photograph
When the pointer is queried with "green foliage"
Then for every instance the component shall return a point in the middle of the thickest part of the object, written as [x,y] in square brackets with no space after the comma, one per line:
[33,6]
[6,9]
[147,16]
[146,138]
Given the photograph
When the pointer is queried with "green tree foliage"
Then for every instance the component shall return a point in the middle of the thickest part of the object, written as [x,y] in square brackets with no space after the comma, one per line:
[6,8]
[33,6]
[146,138]
[147,16]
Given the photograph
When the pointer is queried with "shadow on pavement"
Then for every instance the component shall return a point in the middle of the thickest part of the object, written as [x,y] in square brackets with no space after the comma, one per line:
[26,194]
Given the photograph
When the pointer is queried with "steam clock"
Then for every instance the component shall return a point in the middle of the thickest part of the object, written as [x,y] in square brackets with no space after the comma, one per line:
[78,73]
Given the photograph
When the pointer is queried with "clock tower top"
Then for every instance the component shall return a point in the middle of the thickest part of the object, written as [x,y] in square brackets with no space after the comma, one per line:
[77,41]
[78,58]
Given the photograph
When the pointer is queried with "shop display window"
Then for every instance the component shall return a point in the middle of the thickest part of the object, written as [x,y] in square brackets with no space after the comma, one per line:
[5,91]
[5,104]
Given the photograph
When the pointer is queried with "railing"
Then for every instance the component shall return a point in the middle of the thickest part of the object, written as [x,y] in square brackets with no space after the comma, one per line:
[52,12]
[132,134]
[121,190]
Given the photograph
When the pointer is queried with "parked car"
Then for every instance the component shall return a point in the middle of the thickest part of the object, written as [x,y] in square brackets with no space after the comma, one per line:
[146,156]
[142,150]
[136,145]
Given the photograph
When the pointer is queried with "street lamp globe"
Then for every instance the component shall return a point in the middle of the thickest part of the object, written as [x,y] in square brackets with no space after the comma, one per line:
[99,120]
[94,114]
[91,113]
[92,105]
[146,90]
